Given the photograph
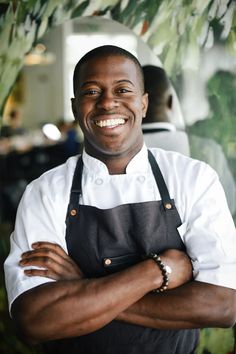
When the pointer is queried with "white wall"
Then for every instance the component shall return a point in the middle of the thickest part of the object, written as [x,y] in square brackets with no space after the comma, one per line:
[44,85]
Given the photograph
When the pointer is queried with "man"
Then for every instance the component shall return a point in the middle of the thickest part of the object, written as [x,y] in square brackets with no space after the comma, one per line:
[115,277]
[159,131]
[158,127]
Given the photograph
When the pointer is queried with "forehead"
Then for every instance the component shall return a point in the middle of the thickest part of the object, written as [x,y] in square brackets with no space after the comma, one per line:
[110,69]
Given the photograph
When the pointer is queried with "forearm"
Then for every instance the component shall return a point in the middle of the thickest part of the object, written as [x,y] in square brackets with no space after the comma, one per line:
[73,305]
[193,305]
[76,307]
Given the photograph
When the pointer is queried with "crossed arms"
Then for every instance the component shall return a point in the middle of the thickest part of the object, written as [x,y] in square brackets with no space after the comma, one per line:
[74,305]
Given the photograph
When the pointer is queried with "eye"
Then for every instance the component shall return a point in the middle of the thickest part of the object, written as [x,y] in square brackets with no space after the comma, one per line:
[123,90]
[91,92]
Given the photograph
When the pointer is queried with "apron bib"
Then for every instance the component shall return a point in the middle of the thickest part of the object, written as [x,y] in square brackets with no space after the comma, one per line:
[104,241]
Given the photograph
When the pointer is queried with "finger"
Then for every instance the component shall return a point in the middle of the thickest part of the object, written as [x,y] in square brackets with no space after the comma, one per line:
[44,257]
[64,270]
[46,252]
[55,273]
[44,262]
[49,245]
[42,273]
[52,252]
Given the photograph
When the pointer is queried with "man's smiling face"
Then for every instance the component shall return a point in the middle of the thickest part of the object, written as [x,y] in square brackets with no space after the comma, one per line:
[110,105]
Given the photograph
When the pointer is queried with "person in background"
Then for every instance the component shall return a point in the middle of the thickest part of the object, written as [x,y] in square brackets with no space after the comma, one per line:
[14,126]
[122,249]
[159,131]
[158,127]
[71,137]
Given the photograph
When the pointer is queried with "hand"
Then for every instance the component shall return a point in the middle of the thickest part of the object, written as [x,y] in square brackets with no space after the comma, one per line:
[181,266]
[53,259]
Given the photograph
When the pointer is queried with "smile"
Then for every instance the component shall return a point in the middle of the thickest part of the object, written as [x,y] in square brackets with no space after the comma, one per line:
[110,122]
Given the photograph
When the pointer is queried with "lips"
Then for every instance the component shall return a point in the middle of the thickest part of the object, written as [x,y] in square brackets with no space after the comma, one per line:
[110,123]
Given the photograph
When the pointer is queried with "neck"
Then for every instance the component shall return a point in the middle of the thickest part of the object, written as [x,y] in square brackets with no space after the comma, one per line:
[116,164]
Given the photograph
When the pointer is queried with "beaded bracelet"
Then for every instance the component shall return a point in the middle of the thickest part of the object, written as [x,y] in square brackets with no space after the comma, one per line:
[165,271]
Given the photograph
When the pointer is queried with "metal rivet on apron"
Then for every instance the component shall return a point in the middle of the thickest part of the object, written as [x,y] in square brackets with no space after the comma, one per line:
[73,212]
[168,206]
[107,261]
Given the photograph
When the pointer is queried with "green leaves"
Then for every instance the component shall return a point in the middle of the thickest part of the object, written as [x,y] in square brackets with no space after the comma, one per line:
[215,341]
[21,26]
[80,9]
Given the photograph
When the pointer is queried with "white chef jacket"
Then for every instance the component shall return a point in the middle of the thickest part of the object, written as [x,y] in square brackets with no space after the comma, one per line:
[207,229]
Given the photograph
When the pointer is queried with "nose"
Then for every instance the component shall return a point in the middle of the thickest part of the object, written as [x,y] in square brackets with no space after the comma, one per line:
[107,101]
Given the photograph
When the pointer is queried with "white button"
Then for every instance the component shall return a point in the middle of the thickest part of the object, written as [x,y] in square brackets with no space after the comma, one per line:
[141,179]
[99,181]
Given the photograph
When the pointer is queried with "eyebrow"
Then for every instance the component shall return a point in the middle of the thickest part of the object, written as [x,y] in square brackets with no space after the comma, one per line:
[125,80]
[96,82]
[89,83]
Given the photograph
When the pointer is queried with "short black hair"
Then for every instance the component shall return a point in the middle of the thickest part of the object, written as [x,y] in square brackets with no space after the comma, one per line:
[158,87]
[155,80]
[103,51]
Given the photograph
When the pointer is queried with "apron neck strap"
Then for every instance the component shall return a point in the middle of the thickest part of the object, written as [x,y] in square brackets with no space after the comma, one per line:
[167,202]
[76,184]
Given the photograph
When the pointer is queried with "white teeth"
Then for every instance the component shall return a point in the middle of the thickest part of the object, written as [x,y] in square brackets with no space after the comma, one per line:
[110,122]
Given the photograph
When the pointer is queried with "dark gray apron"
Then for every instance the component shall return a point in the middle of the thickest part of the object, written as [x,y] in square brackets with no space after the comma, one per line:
[124,235]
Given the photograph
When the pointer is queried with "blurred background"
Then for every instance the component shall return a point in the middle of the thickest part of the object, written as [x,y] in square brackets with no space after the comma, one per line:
[40,43]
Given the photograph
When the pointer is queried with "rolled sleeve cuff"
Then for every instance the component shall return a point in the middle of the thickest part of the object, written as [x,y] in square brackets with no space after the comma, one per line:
[221,275]
[19,287]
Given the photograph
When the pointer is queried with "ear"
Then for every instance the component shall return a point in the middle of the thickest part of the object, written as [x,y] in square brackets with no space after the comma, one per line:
[74,108]
[144,104]
[170,101]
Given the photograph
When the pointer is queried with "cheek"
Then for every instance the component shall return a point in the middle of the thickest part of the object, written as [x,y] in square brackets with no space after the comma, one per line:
[83,107]
[138,109]
[84,110]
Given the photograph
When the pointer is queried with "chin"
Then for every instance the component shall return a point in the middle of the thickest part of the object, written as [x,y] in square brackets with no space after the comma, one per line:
[113,148]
